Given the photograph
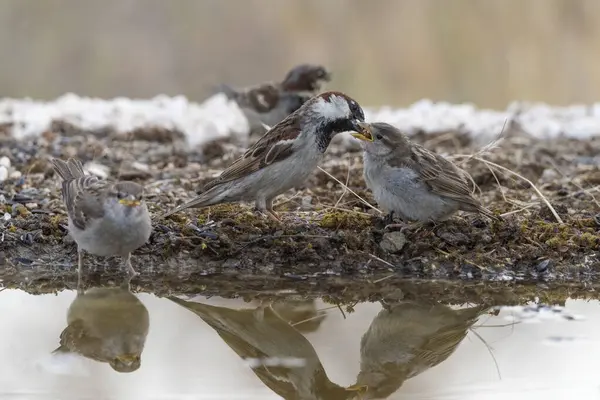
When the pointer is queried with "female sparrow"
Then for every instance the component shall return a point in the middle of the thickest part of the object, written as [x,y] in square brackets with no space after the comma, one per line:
[284,157]
[105,218]
[409,180]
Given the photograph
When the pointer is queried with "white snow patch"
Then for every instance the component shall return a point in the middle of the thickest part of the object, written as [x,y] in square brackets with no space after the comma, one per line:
[537,119]
[216,117]
[219,117]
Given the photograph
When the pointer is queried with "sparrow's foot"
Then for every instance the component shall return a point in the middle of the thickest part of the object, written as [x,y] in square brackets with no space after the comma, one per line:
[403,227]
[389,218]
[273,215]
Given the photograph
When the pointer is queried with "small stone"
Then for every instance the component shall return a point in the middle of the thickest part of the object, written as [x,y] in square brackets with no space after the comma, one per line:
[393,242]
[31,206]
[140,166]
[6,217]
[3,173]
[543,266]
[5,162]
[15,175]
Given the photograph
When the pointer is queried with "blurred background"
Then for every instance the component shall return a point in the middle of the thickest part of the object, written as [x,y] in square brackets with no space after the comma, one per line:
[394,52]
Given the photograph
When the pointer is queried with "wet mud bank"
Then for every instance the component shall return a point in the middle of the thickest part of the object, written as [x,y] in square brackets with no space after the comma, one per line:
[328,239]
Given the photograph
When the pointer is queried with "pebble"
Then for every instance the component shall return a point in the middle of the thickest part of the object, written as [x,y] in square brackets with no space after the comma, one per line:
[5,162]
[31,206]
[15,175]
[6,217]
[393,242]
[3,173]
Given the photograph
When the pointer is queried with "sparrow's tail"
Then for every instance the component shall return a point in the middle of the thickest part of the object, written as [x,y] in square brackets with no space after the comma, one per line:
[72,169]
[208,198]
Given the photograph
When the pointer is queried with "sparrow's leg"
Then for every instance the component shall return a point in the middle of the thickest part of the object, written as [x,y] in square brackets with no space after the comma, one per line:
[80,263]
[259,312]
[270,211]
[130,269]
[265,207]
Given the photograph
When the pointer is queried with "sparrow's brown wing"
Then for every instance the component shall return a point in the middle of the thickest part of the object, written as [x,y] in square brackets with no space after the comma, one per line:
[442,176]
[75,338]
[83,198]
[263,98]
[274,146]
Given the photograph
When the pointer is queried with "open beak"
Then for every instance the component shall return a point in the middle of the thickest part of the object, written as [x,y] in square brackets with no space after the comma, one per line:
[363,131]
[127,359]
[130,202]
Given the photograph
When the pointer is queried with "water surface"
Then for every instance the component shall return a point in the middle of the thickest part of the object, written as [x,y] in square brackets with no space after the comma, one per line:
[217,348]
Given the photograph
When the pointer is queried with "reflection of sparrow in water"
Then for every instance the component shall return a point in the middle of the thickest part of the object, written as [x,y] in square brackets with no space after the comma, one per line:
[269,103]
[107,325]
[260,337]
[105,218]
[407,339]
[284,157]
[411,181]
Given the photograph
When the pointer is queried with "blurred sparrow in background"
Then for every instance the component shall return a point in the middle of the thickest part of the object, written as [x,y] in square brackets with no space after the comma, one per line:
[105,218]
[284,157]
[269,103]
[107,325]
[411,181]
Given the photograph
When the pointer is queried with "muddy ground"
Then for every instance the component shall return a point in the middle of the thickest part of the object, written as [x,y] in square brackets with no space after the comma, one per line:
[329,241]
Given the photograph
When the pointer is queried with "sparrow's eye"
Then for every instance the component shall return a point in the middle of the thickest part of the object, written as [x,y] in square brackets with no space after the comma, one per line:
[379,137]
[356,110]
[121,195]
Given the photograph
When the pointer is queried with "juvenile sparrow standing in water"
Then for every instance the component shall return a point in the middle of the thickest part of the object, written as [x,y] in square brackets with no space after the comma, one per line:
[284,157]
[107,324]
[105,218]
[271,102]
[411,181]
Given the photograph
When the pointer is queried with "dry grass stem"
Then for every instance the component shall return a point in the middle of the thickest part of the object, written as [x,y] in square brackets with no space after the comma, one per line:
[544,199]
[351,191]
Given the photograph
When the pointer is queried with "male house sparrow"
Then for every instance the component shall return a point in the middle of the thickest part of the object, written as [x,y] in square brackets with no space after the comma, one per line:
[105,218]
[271,102]
[107,324]
[284,157]
[411,181]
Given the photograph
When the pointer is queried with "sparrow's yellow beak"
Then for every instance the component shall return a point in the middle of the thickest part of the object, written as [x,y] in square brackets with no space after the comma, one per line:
[127,358]
[363,132]
[129,202]
[357,388]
